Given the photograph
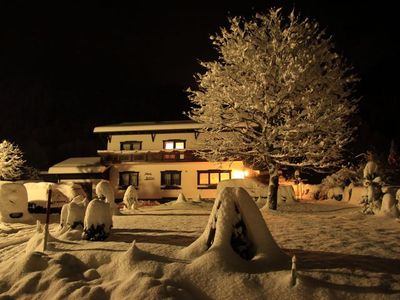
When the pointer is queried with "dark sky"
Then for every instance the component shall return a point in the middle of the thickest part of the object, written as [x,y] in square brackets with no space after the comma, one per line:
[67,68]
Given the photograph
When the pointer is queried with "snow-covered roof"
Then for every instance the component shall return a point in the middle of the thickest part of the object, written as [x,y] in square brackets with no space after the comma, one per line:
[76,165]
[148,126]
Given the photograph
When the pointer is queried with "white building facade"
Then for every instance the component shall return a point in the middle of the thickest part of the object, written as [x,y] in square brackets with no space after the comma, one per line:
[158,158]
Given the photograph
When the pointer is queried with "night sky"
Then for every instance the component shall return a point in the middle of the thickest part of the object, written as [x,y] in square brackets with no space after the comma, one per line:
[67,68]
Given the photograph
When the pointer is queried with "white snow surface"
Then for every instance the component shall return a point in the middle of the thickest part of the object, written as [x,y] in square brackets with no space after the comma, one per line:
[341,254]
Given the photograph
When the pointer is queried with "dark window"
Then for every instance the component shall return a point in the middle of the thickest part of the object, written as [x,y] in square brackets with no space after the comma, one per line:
[210,178]
[169,156]
[131,145]
[170,178]
[174,144]
[128,178]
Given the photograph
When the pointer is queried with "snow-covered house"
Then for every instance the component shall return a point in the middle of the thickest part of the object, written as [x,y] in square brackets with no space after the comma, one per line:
[156,157]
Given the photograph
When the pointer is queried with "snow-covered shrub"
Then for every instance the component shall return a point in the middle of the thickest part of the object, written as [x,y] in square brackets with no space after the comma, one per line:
[13,203]
[130,197]
[73,213]
[370,170]
[98,221]
[343,177]
[105,190]
[11,161]
[332,186]
[236,229]
[388,207]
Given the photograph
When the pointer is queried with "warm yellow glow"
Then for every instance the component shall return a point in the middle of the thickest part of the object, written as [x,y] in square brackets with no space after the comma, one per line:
[238,174]
[179,145]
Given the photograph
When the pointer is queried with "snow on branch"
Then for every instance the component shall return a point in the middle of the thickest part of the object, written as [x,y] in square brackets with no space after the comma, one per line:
[11,161]
[279,93]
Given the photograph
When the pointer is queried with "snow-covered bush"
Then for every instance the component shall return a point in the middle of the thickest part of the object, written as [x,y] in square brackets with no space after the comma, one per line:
[236,229]
[13,203]
[333,186]
[106,191]
[130,197]
[98,221]
[11,161]
[388,207]
[73,213]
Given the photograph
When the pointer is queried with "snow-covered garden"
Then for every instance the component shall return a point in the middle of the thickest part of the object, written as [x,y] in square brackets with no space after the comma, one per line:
[205,250]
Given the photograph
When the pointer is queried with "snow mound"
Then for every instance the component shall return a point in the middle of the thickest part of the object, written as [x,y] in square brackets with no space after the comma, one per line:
[36,242]
[13,203]
[98,220]
[105,190]
[181,199]
[236,232]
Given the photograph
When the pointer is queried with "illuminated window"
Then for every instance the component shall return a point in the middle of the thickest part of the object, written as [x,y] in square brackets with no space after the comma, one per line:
[180,145]
[128,178]
[131,145]
[203,178]
[170,178]
[169,145]
[174,144]
[210,178]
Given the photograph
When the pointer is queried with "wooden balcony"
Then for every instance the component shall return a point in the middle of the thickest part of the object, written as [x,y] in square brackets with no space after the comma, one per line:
[116,157]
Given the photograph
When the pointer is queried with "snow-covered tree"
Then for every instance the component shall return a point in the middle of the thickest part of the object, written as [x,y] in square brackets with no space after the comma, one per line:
[11,161]
[279,94]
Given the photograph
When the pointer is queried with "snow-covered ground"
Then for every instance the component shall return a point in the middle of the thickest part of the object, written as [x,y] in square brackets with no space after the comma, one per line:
[341,254]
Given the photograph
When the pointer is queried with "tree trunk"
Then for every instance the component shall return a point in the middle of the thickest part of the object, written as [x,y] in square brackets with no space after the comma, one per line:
[273,187]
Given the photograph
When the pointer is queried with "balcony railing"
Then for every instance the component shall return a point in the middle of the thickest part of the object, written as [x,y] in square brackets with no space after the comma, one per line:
[116,157]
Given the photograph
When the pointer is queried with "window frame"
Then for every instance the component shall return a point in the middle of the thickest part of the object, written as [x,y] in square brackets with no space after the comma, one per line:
[174,141]
[130,143]
[123,187]
[210,185]
[170,186]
